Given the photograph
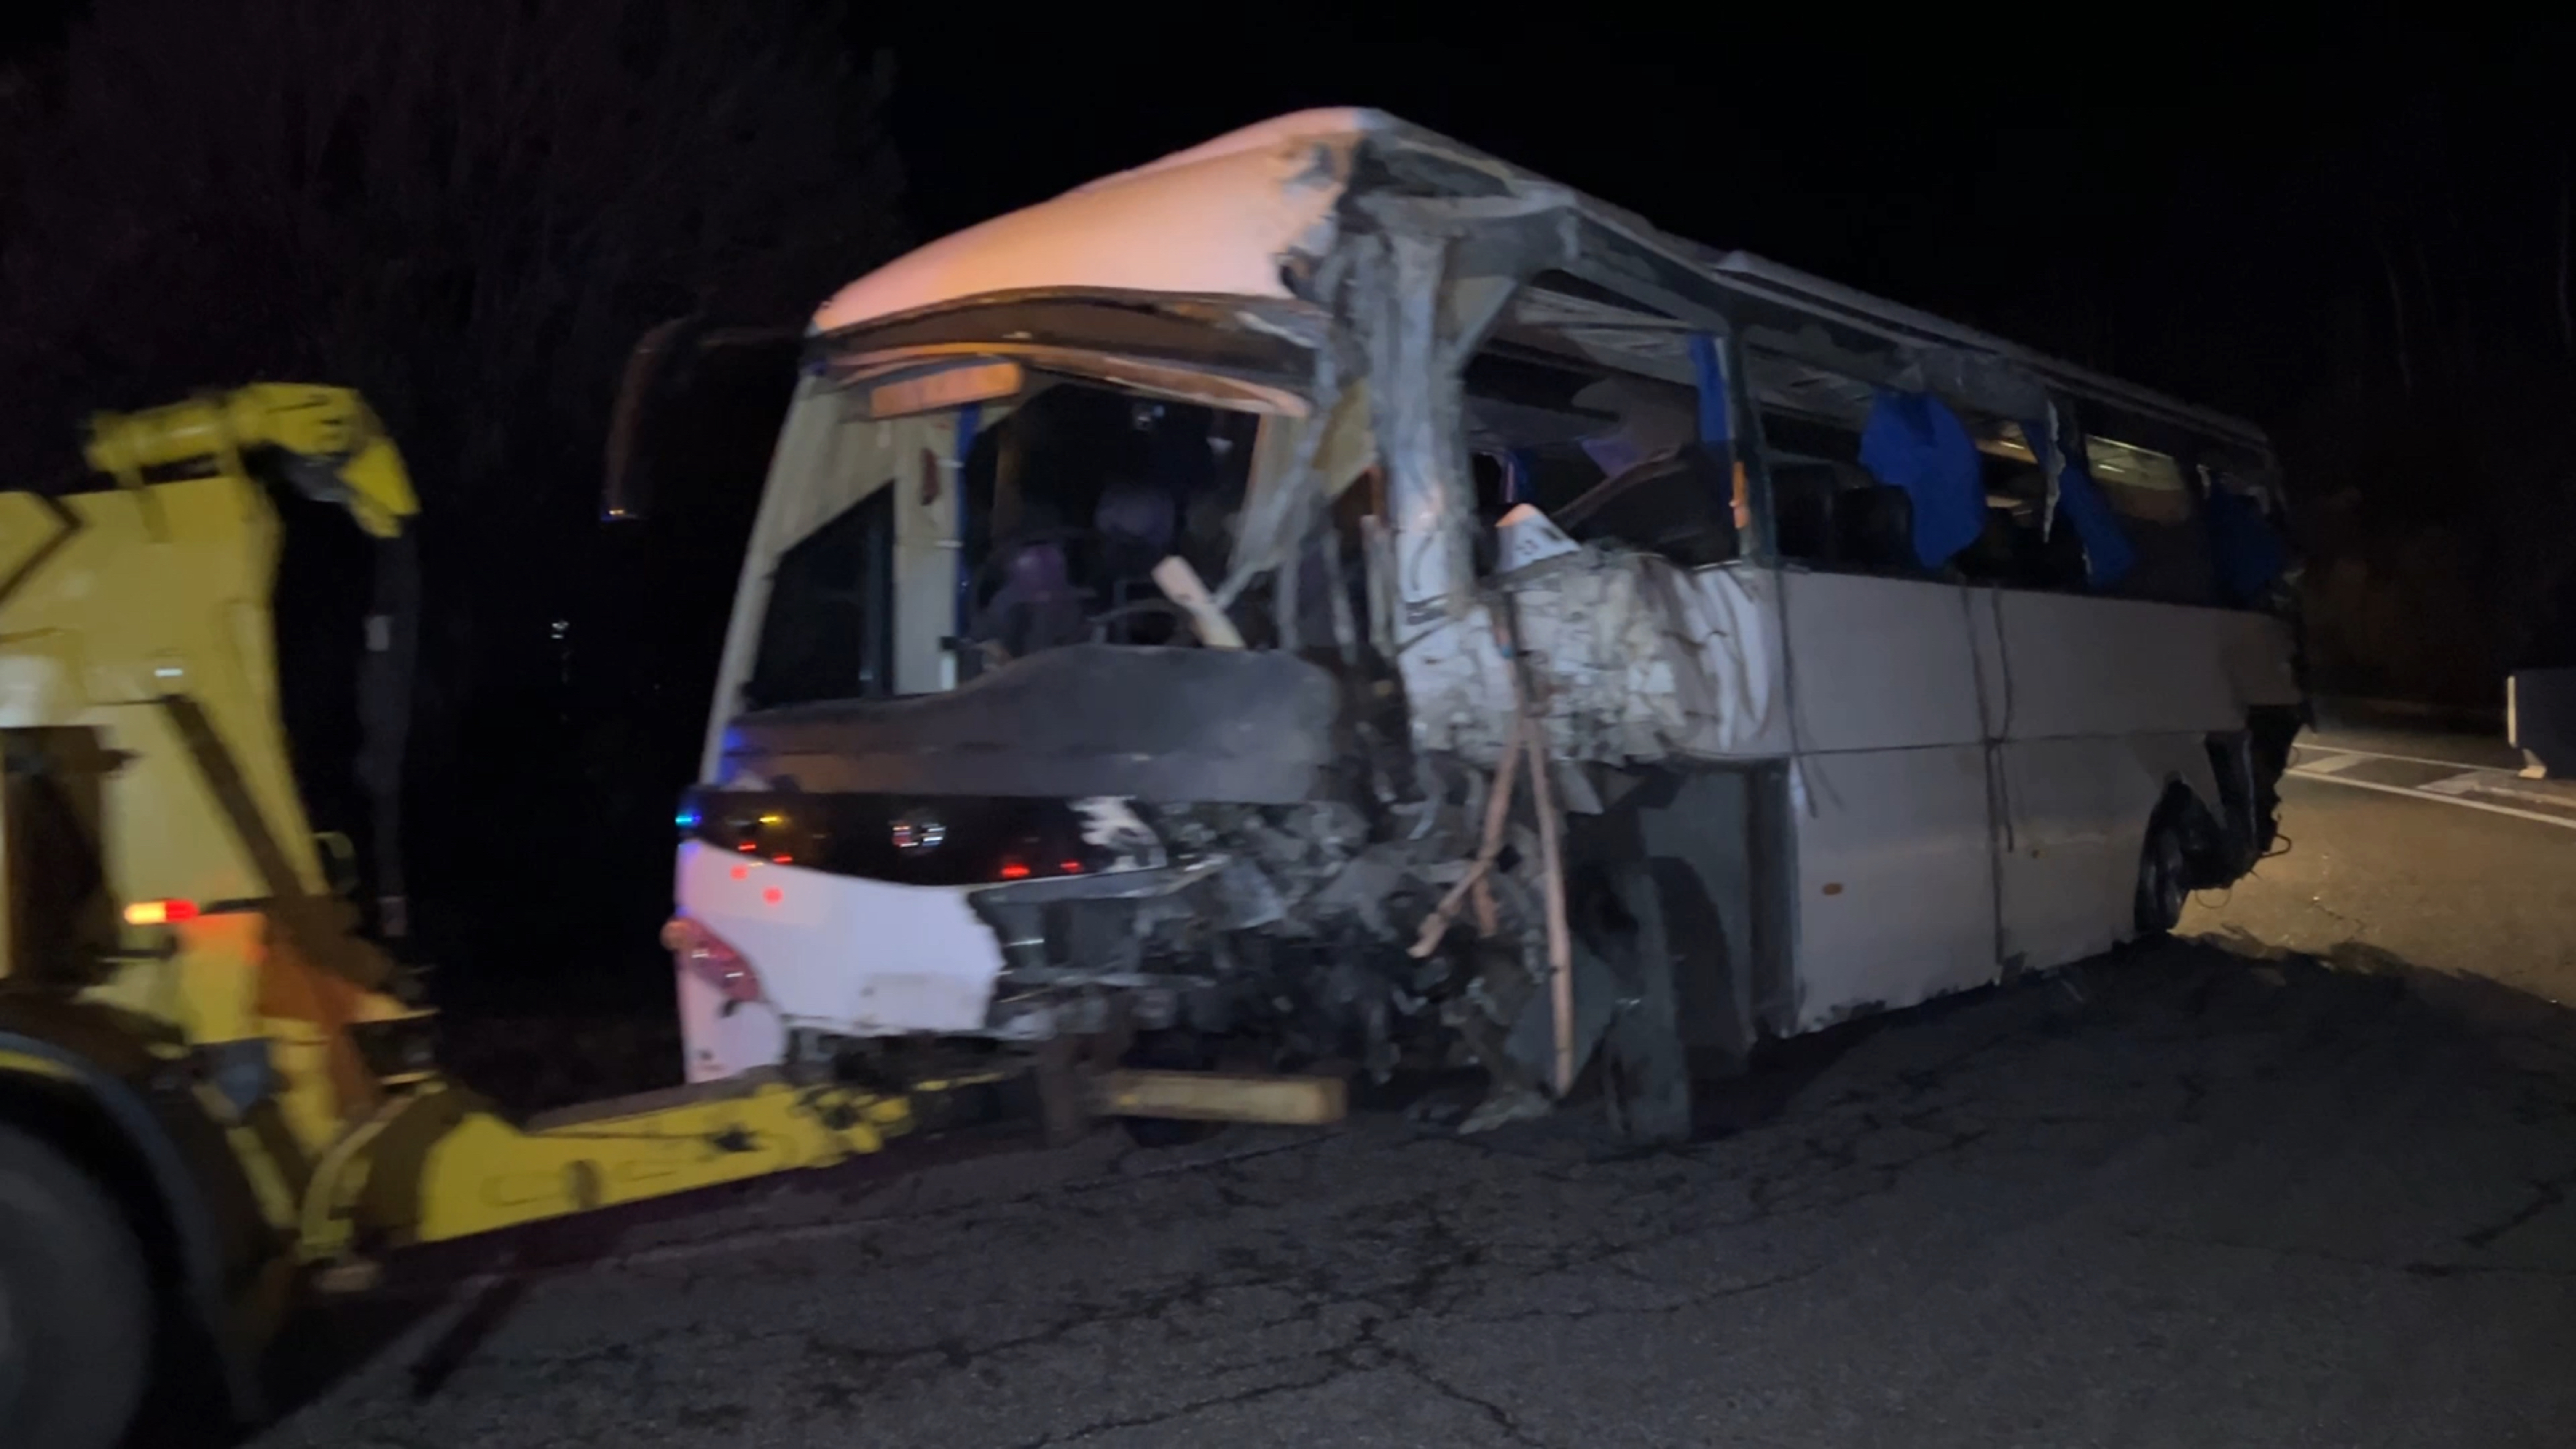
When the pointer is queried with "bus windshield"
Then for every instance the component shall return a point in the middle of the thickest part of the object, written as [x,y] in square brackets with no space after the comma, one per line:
[1071,500]
[914,552]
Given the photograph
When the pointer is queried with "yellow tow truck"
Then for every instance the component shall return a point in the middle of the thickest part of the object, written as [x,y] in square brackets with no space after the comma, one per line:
[214,1086]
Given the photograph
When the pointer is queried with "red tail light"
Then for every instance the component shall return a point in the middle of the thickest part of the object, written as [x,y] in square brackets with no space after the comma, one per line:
[704,954]
[159,913]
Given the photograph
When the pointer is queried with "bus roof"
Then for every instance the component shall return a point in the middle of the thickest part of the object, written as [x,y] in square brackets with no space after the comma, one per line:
[1214,220]
[1235,216]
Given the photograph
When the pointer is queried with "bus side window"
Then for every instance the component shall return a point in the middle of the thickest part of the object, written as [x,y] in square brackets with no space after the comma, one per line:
[1815,469]
[1828,508]
[1608,455]
[2153,498]
[2249,548]
[1677,504]
[2022,547]
[1802,509]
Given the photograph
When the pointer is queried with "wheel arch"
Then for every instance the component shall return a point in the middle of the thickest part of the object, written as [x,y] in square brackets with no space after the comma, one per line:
[2185,783]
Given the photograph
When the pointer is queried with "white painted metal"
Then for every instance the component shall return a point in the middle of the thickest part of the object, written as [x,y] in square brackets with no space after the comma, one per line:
[2082,713]
[1895,886]
[2082,665]
[1880,663]
[2075,815]
[841,954]
[1216,220]
[721,1038]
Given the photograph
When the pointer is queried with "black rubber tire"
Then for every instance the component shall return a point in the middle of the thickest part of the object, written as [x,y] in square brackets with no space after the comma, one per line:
[1648,1068]
[75,1303]
[2164,875]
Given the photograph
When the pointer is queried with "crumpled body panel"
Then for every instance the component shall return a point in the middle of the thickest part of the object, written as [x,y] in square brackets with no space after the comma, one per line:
[1638,659]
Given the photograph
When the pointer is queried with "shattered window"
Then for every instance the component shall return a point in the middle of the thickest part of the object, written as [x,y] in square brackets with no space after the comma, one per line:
[1829,511]
[1607,455]
[2159,514]
[1813,463]
[2022,546]
[1073,499]
[2140,484]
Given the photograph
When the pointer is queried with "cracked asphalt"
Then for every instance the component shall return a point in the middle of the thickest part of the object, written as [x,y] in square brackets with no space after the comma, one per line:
[2303,1179]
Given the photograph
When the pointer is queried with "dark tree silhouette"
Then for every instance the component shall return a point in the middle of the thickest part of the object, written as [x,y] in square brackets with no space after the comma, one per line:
[470,210]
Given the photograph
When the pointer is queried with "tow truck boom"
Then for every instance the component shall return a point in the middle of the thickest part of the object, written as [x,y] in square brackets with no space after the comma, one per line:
[216,1082]
[210,1077]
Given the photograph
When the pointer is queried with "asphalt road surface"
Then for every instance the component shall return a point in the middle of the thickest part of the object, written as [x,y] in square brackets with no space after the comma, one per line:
[2303,1179]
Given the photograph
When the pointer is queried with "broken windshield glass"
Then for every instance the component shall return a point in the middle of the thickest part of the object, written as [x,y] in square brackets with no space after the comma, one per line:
[1073,499]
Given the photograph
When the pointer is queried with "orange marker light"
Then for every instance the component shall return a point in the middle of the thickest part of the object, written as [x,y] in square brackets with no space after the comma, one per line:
[159,913]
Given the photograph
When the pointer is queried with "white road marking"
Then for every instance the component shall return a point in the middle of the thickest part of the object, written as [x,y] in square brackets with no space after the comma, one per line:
[2492,782]
[2563,822]
[2339,760]
[2384,755]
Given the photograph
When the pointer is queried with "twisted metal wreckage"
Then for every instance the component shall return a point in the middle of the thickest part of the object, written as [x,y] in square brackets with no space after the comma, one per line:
[1414,817]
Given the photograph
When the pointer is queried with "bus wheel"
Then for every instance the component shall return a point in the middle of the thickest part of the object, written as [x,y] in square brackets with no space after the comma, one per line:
[1648,1070]
[75,1307]
[2164,875]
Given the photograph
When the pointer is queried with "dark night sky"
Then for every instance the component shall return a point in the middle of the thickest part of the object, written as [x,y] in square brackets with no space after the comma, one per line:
[2176,211]
[2176,201]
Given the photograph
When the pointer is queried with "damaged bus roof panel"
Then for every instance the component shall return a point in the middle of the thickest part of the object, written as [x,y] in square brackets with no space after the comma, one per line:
[1216,220]
[1246,214]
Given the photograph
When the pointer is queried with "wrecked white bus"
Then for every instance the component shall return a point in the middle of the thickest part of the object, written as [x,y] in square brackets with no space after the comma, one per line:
[1334,591]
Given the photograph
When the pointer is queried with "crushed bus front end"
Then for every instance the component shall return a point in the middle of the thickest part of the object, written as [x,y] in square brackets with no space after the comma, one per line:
[1329,596]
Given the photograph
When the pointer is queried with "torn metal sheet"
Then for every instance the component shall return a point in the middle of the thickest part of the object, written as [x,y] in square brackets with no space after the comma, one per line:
[1641,660]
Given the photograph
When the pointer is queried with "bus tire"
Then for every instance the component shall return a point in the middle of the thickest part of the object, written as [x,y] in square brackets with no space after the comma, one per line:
[1648,1077]
[76,1321]
[2164,875]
